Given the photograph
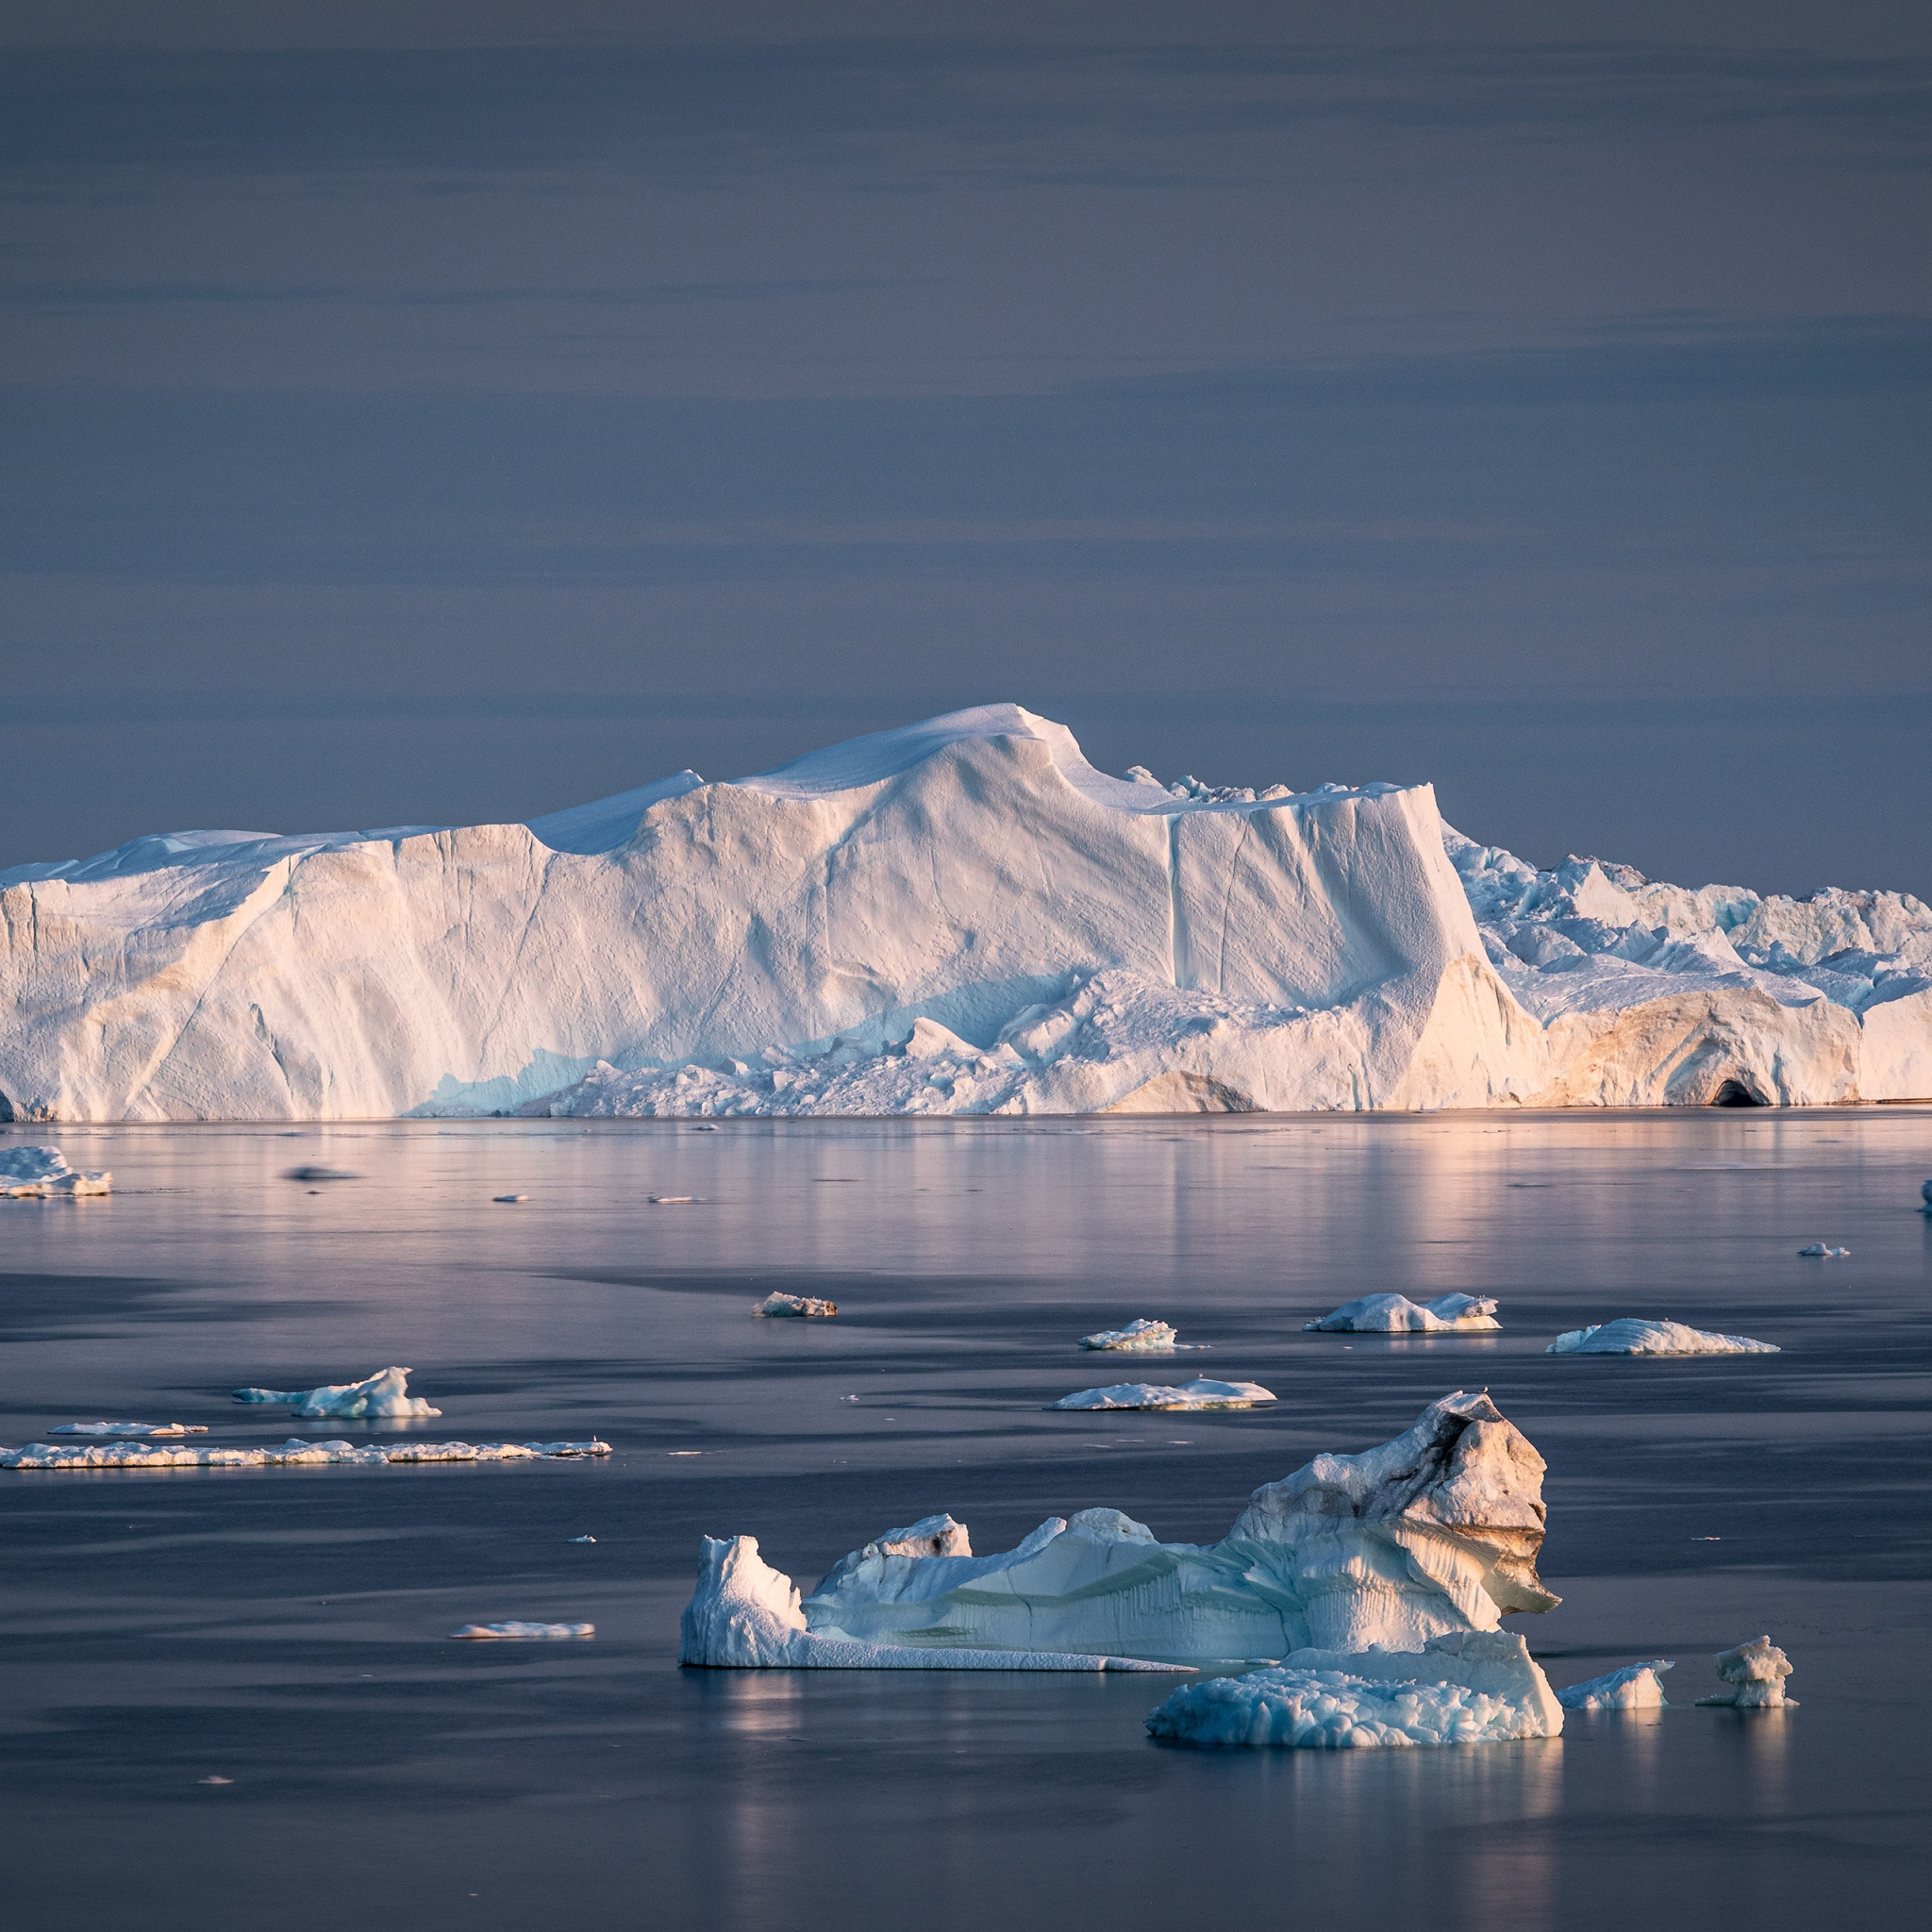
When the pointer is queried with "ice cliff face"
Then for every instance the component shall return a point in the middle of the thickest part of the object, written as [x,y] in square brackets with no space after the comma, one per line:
[962,916]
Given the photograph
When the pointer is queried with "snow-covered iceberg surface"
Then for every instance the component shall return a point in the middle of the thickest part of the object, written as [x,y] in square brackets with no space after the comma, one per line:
[130,1430]
[1432,1534]
[385,1394]
[808,1305]
[515,1632]
[295,1453]
[1631,1336]
[40,1172]
[1756,1673]
[1633,1688]
[1142,1336]
[1395,1314]
[1199,1393]
[962,916]
[1471,1688]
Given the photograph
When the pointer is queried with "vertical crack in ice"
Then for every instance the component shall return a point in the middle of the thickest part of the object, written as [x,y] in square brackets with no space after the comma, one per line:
[1234,866]
[1176,919]
[516,958]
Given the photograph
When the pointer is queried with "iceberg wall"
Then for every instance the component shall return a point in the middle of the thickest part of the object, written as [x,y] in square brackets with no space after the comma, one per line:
[961,916]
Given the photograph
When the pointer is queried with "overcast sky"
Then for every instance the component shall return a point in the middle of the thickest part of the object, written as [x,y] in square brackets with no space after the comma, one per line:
[421,413]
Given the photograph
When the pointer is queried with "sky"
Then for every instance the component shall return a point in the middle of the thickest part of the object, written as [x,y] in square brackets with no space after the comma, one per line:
[422,414]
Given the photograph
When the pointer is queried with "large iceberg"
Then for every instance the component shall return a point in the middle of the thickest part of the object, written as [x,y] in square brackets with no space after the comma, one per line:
[1395,1314]
[962,916]
[1430,1535]
[385,1394]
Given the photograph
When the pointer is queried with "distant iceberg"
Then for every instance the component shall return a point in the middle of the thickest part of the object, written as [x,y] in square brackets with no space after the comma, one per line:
[1142,1336]
[515,1632]
[1201,1394]
[296,1452]
[961,916]
[1823,1251]
[1432,1534]
[27,1173]
[1756,1673]
[808,1305]
[1634,1337]
[153,1429]
[1633,1688]
[1471,1688]
[386,1393]
[1395,1314]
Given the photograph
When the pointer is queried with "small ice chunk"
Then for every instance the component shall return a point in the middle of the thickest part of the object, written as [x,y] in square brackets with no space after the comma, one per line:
[1823,1251]
[1633,1688]
[1141,1338]
[524,1632]
[1756,1671]
[509,1197]
[1395,1314]
[40,1172]
[384,1394]
[1629,1336]
[297,1452]
[130,1430]
[1200,1393]
[806,1305]
[320,1173]
[674,1200]
[583,1538]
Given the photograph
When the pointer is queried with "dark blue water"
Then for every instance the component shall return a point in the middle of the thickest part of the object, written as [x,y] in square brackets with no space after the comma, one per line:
[287,1630]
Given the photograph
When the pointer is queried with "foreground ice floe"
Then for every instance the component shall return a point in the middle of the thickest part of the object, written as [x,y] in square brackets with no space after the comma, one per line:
[1470,1687]
[1433,1533]
[1200,1393]
[514,1631]
[1395,1314]
[384,1394]
[806,1305]
[295,1453]
[1756,1673]
[1825,1251]
[1633,1688]
[27,1173]
[1139,1338]
[130,1430]
[1631,1336]
[962,916]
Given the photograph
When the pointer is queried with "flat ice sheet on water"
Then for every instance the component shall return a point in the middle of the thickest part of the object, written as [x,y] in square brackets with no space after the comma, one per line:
[1395,1314]
[1630,1335]
[1433,1533]
[130,1430]
[1199,1393]
[515,1632]
[1633,1688]
[384,1394]
[42,1172]
[1471,1688]
[296,1452]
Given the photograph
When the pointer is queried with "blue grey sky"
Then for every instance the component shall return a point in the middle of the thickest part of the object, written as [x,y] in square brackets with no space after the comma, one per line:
[419,413]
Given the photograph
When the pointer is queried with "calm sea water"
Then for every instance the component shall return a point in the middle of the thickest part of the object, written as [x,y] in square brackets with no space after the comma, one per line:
[287,1630]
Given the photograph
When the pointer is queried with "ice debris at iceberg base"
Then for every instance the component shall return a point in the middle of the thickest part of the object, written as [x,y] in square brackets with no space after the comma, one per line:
[42,1172]
[514,1631]
[1630,1335]
[1198,1394]
[1755,1671]
[1395,1314]
[1432,1533]
[130,1430]
[805,1304]
[384,1394]
[1823,1251]
[295,1453]
[1633,1688]
[1925,1195]
[1471,1688]
[1141,1338]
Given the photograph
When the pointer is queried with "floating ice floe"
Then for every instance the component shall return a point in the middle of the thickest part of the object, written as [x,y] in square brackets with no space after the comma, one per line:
[130,1430]
[806,1305]
[320,1173]
[1199,1393]
[524,1632]
[1470,1687]
[1633,1688]
[1433,1533]
[1755,1671]
[295,1453]
[509,1197]
[1141,1338]
[1823,1251]
[1395,1314]
[384,1394]
[1630,1335]
[42,1173]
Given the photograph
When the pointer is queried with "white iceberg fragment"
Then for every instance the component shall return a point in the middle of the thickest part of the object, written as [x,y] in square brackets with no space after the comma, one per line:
[808,1306]
[1395,1314]
[513,1198]
[1140,1338]
[1823,1251]
[1199,1393]
[1755,1671]
[1634,1337]
[1633,1688]
[319,1173]
[30,1173]
[130,1430]
[1433,1533]
[525,1632]
[1471,1688]
[297,1452]
[384,1394]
